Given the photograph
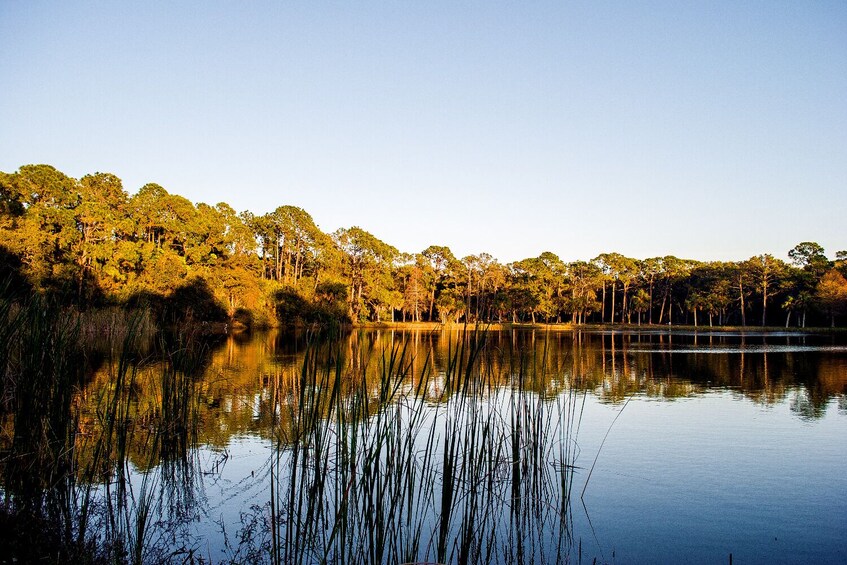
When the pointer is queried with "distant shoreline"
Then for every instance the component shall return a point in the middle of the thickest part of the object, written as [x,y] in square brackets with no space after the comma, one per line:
[623,328]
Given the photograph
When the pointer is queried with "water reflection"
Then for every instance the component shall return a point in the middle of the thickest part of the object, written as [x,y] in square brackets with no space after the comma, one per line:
[236,387]
[252,431]
[252,381]
[242,383]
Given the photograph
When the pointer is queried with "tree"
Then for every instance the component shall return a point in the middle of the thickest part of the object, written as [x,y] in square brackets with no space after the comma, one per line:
[367,265]
[146,208]
[584,278]
[489,277]
[797,304]
[606,264]
[766,271]
[619,269]
[412,284]
[479,271]
[809,265]
[40,226]
[831,294]
[295,237]
[537,281]
[710,289]
[451,305]
[648,271]
[442,261]
[103,222]
[86,240]
[674,273]
[841,262]
[810,257]
[640,302]
[719,298]
[739,274]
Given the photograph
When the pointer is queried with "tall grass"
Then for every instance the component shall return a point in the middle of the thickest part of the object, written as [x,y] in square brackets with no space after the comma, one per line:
[382,472]
[70,490]
[378,457]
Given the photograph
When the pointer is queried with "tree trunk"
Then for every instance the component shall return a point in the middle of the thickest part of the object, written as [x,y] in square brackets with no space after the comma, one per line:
[612,316]
[297,265]
[431,302]
[764,303]
[603,305]
[650,302]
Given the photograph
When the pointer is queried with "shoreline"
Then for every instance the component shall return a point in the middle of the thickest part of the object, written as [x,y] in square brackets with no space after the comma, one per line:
[593,328]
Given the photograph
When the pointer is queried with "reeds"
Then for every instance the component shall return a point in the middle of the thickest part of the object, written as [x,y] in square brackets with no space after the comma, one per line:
[378,457]
[70,491]
[381,473]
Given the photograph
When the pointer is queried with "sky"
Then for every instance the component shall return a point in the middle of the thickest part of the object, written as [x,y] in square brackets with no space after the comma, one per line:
[705,130]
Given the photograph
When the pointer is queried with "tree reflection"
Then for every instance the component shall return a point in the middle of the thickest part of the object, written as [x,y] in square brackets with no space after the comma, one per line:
[244,380]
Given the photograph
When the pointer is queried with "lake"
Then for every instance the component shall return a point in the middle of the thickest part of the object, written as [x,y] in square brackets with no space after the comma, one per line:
[522,446]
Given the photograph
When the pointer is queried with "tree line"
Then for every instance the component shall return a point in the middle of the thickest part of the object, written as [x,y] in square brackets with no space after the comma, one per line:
[89,243]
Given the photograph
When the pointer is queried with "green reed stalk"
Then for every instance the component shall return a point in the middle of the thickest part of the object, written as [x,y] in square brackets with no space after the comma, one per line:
[376,470]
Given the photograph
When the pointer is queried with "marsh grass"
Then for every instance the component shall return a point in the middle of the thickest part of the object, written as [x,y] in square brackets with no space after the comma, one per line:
[379,470]
[378,457]
[71,492]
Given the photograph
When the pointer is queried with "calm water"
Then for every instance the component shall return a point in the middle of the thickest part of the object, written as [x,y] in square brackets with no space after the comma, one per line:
[673,448]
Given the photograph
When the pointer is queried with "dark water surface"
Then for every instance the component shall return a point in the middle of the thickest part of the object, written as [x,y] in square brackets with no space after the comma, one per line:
[654,448]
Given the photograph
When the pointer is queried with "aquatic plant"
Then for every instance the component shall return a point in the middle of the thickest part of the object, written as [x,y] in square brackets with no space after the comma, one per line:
[385,473]
[393,463]
[68,492]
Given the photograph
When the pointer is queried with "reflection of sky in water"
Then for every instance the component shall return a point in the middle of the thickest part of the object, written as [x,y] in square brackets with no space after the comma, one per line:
[758,472]
[690,481]
[720,334]
[752,348]
[698,479]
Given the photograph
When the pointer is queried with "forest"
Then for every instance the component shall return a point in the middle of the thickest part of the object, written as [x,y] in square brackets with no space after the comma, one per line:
[87,243]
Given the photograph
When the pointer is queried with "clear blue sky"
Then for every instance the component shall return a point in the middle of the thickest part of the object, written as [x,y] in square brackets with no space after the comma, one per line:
[707,130]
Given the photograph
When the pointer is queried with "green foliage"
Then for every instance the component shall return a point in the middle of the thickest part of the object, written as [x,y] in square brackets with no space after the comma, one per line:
[831,294]
[810,257]
[87,242]
[367,264]
[327,310]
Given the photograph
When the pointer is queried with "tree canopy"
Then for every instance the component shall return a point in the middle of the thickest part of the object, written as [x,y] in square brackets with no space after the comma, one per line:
[89,243]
